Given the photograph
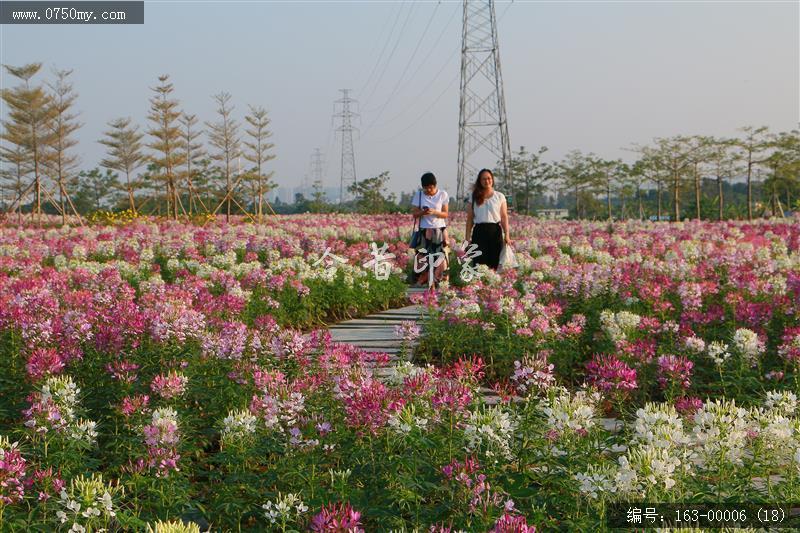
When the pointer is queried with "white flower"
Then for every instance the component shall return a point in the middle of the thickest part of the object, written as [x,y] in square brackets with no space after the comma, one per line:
[784,402]
[596,481]
[618,325]
[238,425]
[718,352]
[491,428]
[573,412]
[720,431]
[748,344]
[285,508]
[659,426]
[695,344]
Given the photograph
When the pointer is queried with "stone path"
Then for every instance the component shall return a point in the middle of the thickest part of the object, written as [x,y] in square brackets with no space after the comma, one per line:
[375,333]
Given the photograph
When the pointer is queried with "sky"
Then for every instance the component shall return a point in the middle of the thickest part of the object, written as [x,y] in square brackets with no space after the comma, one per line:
[594,76]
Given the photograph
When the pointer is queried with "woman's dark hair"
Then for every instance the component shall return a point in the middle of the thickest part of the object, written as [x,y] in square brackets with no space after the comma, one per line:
[478,190]
[428,179]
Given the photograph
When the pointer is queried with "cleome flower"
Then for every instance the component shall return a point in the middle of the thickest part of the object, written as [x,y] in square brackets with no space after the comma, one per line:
[285,509]
[87,503]
[597,481]
[12,473]
[570,413]
[491,429]
[720,432]
[748,344]
[659,426]
[173,526]
[238,425]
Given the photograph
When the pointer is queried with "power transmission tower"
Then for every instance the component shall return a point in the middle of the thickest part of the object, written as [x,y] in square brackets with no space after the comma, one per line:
[346,128]
[316,166]
[317,172]
[482,123]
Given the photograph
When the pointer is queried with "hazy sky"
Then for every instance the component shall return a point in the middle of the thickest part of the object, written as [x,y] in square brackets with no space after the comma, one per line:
[596,76]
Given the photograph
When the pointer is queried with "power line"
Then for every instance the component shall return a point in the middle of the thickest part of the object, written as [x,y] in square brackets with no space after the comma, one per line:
[446,64]
[391,55]
[424,114]
[410,59]
[405,70]
[386,37]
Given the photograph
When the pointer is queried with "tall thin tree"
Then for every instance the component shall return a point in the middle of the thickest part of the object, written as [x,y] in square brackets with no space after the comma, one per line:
[224,136]
[258,153]
[163,115]
[124,153]
[15,172]
[193,153]
[59,161]
[753,145]
[30,113]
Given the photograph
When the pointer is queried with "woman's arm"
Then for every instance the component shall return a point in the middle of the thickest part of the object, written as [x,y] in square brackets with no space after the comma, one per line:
[443,213]
[504,220]
[468,232]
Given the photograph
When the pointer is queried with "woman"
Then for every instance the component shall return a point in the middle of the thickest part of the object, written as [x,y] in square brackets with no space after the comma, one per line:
[487,220]
[430,206]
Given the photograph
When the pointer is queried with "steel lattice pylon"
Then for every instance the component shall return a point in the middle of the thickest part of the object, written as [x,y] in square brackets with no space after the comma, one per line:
[482,123]
[348,154]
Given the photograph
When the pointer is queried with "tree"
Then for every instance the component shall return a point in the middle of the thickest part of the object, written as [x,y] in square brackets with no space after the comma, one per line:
[258,153]
[30,112]
[224,136]
[528,176]
[95,189]
[163,115]
[723,162]
[59,163]
[370,194]
[124,149]
[577,174]
[784,166]
[752,145]
[193,154]
[608,172]
[675,155]
[19,162]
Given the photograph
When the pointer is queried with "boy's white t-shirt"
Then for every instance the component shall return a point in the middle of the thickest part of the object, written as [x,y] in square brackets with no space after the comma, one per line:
[435,202]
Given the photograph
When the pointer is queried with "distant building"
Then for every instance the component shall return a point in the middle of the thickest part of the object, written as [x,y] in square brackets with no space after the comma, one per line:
[553,214]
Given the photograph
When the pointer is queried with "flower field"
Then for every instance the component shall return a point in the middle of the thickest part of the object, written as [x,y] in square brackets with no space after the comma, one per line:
[172,377]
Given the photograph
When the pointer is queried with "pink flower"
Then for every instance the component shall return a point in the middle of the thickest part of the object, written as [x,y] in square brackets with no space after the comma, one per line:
[674,370]
[790,348]
[408,330]
[134,404]
[609,374]
[509,523]
[338,518]
[451,395]
[370,404]
[12,474]
[123,371]
[44,362]
[468,369]
[169,386]
[688,406]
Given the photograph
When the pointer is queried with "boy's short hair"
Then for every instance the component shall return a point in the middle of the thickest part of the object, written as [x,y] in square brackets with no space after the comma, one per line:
[428,179]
